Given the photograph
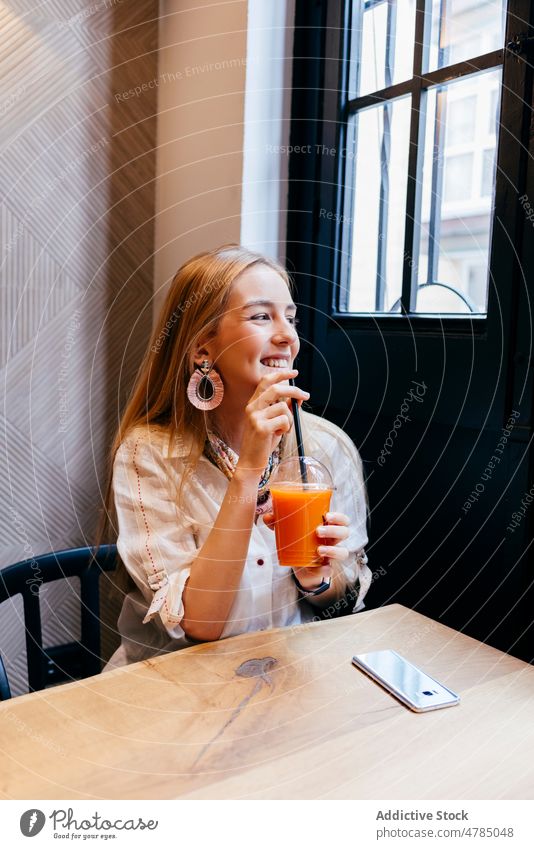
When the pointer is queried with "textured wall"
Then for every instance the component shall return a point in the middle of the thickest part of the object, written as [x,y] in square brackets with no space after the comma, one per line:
[77,168]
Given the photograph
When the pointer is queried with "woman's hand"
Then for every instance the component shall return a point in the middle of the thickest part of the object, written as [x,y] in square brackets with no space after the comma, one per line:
[268,416]
[334,531]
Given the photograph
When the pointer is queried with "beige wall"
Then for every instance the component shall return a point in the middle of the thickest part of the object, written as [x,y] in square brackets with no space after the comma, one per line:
[201,85]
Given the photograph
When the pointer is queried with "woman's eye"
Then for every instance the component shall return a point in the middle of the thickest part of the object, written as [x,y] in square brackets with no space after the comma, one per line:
[291,318]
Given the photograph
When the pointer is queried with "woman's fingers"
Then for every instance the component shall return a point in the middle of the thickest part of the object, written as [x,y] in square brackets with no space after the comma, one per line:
[333,552]
[278,409]
[336,519]
[269,411]
[332,532]
[268,416]
[279,423]
[275,386]
[276,376]
[268,519]
[278,392]
[262,420]
[276,417]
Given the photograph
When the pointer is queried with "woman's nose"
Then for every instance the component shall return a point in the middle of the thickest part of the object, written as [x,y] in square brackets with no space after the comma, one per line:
[285,332]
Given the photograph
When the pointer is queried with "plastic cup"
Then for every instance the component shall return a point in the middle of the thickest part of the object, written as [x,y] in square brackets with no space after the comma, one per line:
[299,507]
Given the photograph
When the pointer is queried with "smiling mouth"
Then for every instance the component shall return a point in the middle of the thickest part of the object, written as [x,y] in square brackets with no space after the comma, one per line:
[272,362]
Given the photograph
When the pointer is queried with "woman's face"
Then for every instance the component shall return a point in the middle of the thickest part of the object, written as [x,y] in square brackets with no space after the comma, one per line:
[256,333]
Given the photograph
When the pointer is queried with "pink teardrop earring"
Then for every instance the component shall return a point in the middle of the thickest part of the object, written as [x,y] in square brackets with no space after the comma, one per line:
[205,389]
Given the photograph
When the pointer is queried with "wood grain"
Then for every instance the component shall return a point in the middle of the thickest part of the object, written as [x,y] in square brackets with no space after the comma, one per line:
[280,714]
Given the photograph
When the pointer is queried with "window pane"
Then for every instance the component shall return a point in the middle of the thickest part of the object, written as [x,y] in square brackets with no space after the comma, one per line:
[383,59]
[457,196]
[457,177]
[379,206]
[461,29]
[488,172]
[461,117]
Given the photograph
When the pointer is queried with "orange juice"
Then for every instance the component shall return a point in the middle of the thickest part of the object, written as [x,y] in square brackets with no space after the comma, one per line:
[298,510]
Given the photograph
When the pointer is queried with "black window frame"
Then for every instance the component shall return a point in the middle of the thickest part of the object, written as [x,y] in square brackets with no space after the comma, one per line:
[320,118]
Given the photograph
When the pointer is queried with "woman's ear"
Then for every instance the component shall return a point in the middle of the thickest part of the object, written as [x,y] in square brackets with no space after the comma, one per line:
[204,348]
[201,353]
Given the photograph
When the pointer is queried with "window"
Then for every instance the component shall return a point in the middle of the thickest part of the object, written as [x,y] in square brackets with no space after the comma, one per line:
[419,157]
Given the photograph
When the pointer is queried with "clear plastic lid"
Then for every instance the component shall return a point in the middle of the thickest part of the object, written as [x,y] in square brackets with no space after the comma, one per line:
[301,471]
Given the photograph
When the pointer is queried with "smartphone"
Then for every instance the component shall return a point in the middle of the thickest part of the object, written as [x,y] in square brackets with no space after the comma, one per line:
[409,684]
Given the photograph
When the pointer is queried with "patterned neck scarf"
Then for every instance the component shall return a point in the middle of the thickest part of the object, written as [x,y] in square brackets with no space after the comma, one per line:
[226,459]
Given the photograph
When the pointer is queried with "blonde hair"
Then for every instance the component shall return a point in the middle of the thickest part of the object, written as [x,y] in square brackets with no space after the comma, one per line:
[196,301]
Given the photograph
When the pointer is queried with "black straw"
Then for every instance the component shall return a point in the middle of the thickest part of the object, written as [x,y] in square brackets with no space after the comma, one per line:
[298,434]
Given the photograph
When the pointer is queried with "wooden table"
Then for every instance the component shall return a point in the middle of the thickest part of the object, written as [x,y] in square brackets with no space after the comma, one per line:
[202,723]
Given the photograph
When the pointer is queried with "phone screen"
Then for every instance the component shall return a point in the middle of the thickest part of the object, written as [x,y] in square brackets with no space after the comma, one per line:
[405,681]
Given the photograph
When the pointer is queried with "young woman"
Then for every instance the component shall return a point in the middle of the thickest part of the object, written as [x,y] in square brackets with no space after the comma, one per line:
[208,420]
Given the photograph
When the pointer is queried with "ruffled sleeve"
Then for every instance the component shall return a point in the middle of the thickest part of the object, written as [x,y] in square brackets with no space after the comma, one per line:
[155,544]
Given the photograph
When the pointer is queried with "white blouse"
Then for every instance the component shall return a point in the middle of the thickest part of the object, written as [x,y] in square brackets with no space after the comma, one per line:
[157,543]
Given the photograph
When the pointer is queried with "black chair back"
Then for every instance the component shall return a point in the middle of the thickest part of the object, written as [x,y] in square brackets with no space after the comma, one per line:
[68,661]
[5,690]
